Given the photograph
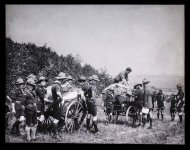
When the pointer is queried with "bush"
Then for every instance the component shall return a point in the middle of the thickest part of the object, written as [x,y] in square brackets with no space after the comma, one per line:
[24,59]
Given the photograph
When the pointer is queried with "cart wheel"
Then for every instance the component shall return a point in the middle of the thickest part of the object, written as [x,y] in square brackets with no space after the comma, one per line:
[73,116]
[130,115]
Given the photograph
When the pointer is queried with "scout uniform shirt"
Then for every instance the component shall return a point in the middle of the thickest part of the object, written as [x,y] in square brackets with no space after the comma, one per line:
[56,87]
[31,100]
[147,97]
[40,92]
[18,97]
[180,95]
[57,108]
[90,92]
[138,96]
[160,100]
[180,99]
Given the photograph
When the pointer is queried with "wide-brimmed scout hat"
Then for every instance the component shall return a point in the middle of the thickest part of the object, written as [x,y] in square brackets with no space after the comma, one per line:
[32,76]
[111,89]
[145,81]
[70,77]
[82,78]
[61,76]
[42,78]
[94,77]
[31,81]
[139,84]
[19,81]
[179,85]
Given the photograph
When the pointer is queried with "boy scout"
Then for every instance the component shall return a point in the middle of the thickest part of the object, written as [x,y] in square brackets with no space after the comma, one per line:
[40,92]
[57,92]
[90,94]
[31,110]
[18,97]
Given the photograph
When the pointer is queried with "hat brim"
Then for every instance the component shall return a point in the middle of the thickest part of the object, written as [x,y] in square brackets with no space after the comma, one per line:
[61,77]
[70,79]
[145,82]
[42,80]
[94,80]
[31,84]
[80,80]
[137,85]
[19,83]
[179,86]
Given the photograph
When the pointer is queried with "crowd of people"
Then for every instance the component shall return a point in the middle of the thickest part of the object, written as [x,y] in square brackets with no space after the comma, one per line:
[28,101]
[144,99]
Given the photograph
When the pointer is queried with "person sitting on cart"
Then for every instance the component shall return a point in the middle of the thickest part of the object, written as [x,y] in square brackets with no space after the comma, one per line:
[180,101]
[57,92]
[90,94]
[160,104]
[18,97]
[40,92]
[147,103]
[138,95]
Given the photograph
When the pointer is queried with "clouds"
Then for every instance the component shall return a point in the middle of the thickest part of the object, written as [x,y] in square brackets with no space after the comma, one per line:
[149,38]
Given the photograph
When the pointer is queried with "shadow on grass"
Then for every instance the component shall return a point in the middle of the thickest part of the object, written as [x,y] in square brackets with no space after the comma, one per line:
[118,122]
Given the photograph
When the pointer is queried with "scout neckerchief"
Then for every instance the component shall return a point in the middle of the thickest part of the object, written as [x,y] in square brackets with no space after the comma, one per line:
[23,93]
[43,92]
[32,93]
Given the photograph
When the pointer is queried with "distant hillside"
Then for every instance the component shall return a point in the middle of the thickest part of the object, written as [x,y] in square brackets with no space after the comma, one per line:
[159,81]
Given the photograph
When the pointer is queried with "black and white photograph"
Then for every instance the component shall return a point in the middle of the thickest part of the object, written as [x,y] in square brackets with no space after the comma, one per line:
[98,74]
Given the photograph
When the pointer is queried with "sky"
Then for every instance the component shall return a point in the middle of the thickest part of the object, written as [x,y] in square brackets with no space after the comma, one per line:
[147,38]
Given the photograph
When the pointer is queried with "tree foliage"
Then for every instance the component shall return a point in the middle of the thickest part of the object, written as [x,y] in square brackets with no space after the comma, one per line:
[23,59]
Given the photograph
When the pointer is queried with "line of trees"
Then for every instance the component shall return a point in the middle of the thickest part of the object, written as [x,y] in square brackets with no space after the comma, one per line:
[23,59]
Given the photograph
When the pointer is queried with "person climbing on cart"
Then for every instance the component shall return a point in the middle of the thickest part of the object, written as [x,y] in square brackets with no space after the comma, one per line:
[123,77]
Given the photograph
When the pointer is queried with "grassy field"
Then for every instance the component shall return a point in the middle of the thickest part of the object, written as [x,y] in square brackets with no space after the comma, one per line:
[163,132]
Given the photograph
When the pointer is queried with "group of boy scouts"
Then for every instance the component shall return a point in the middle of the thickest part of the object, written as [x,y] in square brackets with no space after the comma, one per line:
[28,101]
[145,98]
